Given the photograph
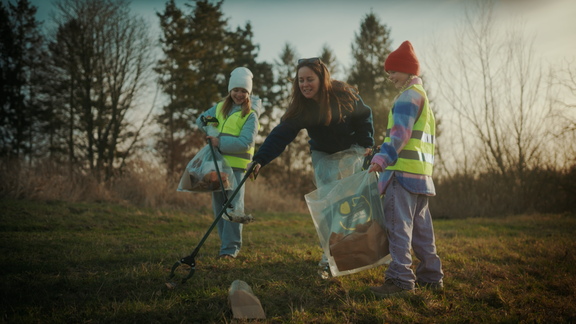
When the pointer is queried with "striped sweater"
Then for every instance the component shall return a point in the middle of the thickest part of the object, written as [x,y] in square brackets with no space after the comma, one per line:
[407,107]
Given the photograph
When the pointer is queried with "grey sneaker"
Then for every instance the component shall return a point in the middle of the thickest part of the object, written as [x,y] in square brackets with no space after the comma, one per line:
[429,285]
[389,289]
[324,273]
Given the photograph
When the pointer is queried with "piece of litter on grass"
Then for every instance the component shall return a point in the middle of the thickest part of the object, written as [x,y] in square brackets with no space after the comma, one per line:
[243,302]
[238,218]
[170,285]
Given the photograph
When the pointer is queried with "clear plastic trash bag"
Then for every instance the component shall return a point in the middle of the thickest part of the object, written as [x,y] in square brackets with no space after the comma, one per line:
[349,219]
[339,165]
[201,175]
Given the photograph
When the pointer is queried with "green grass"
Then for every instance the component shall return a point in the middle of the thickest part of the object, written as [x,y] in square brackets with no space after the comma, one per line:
[102,263]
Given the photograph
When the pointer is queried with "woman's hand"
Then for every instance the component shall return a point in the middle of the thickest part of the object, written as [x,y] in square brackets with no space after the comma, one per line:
[213,140]
[368,151]
[256,169]
[375,168]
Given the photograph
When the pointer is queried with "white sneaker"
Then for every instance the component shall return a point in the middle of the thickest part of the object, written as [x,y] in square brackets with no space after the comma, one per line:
[324,273]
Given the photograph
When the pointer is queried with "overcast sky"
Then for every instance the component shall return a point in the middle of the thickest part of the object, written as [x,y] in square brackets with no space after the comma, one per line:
[308,24]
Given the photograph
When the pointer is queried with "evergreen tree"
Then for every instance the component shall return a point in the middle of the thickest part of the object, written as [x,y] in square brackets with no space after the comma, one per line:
[22,59]
[207,36]
[199,54]
[329,59]
[241,51]
[370,49]
[291,166]
[62,88]
[175,79]
[285,69]
[7,78]
[192,74]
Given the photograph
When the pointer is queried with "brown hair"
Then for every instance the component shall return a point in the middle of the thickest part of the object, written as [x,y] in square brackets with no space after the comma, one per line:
[343,93]
[229,102]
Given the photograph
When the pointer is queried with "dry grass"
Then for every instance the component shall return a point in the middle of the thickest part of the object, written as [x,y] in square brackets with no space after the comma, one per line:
[263,197]
[141,185]
[545,190]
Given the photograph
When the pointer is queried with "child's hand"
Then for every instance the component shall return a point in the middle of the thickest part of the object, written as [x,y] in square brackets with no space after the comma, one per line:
[375,168]
[213,140]
[368,151]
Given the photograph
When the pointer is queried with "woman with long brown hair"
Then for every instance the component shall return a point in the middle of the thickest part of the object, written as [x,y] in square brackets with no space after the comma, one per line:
[331,111]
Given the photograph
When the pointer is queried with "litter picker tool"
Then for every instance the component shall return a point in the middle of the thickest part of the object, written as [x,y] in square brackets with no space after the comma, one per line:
[190,260]
[232,216]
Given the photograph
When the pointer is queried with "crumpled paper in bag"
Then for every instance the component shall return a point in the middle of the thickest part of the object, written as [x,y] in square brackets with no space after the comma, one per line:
[200,174]
[365,246]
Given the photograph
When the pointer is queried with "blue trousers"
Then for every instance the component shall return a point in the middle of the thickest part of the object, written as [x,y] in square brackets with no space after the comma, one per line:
[409,225]
[230,233]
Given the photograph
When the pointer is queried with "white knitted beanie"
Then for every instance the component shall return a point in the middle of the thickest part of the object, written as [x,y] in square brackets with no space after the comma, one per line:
[241,77]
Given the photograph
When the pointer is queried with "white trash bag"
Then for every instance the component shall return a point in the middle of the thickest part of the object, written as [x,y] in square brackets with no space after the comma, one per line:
[201,175]
[349,219]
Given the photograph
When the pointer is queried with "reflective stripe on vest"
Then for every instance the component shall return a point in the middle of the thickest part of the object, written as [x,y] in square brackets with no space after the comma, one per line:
[232,126]
[418,155]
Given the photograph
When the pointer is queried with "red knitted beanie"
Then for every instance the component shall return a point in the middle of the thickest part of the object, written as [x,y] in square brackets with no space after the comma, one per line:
[403,60]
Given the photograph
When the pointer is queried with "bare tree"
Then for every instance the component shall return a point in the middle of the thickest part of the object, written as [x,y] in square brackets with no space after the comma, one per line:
[564,80]
[492,84]
[563,96]
[113,56]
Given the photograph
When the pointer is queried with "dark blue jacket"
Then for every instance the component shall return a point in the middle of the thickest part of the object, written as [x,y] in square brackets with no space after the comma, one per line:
[356,128]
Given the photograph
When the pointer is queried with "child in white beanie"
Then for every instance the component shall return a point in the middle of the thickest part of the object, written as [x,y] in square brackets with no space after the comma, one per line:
[240,78]
[238,126]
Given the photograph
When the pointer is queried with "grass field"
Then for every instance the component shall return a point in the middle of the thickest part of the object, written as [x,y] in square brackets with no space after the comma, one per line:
[103,263]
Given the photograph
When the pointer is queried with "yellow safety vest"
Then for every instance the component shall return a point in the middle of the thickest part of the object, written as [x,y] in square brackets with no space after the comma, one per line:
[418,155]
[232,126]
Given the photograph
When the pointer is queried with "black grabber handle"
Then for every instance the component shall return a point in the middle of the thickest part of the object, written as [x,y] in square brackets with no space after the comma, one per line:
[368,159]
[205,120]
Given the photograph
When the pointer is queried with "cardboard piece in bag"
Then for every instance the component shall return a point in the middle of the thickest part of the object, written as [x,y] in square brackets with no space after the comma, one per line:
[243,302]
[365,246]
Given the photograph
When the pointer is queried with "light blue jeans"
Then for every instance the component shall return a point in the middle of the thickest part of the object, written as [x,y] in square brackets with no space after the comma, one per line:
[230,233]
[409,224]
[317,156]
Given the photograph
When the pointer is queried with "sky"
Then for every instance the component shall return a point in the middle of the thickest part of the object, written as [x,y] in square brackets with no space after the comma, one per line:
[309,24]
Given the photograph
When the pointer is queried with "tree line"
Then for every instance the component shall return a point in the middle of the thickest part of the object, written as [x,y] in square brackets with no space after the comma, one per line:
[73,93]
[70,91]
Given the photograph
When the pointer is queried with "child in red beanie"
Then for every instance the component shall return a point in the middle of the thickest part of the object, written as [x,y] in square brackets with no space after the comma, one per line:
[405,163]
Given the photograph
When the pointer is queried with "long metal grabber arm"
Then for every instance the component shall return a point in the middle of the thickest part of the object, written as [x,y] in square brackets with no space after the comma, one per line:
[190,260]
